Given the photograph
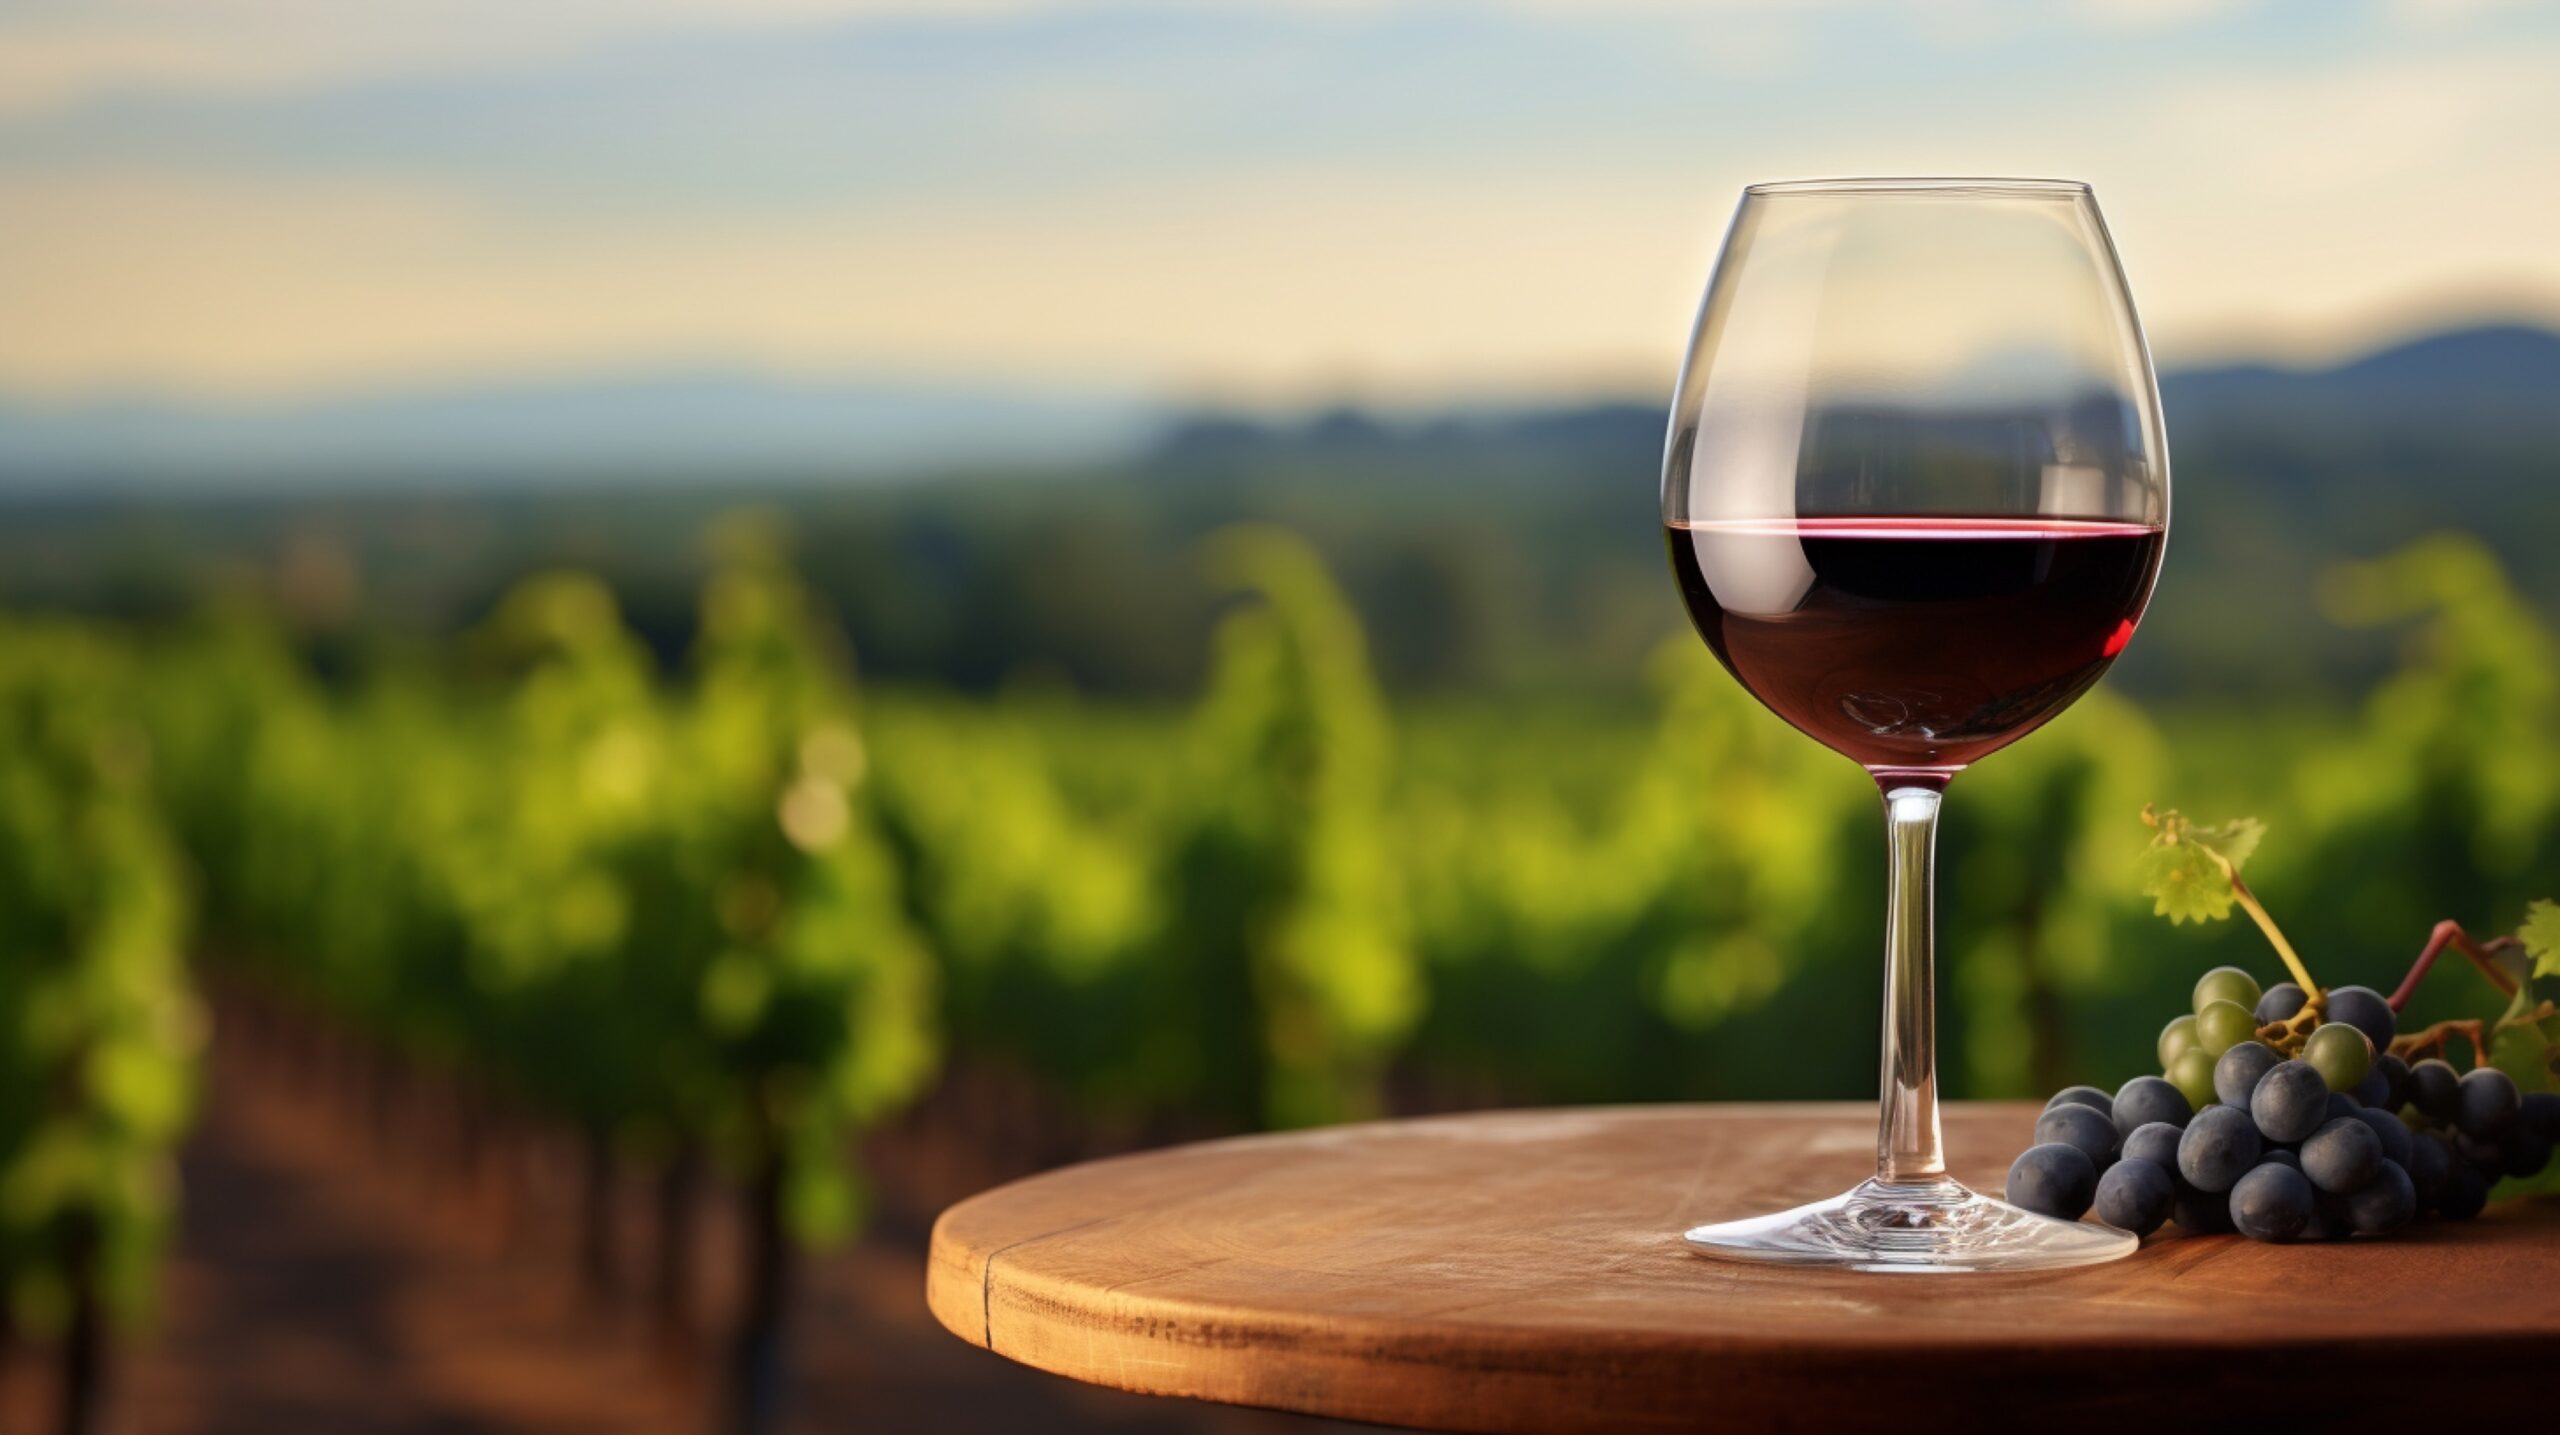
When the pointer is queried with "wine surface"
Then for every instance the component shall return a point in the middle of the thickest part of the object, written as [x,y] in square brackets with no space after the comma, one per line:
[1914,646]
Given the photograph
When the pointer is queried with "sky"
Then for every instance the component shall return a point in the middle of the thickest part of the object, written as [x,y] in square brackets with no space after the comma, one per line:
[1263,201]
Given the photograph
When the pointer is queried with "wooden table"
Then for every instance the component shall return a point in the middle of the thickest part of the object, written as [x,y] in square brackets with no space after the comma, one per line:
[1522,1271]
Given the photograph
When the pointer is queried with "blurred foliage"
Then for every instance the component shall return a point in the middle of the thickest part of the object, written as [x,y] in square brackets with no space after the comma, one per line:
[669,917]
[1282,868]
[97,1030]
[722,898]
[1489,551]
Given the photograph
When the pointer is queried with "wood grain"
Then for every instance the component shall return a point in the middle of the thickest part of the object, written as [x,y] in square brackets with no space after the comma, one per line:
[1522,1271]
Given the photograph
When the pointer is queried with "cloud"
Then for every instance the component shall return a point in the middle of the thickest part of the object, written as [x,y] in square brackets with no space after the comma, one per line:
[907,116]
[2438,14]
[1398,198]
[2154,14]
[2378,121]
[1256,287]
[2302,210]
[54,56]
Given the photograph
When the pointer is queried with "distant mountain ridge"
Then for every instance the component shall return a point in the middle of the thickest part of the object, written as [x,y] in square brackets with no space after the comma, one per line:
[2496,356]
[2505,375]
[688,427]
[2496,383]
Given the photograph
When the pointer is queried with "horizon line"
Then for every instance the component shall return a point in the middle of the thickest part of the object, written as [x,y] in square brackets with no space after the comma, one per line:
[1312,395]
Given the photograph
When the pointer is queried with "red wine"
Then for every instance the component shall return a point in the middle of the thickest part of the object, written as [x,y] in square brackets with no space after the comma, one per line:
[1915,646]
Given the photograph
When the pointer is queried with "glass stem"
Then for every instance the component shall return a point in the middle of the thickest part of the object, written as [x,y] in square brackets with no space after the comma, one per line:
[1907,1137]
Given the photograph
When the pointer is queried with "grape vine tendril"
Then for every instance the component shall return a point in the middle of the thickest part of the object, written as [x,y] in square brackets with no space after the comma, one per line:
[2450,933]
[2418,1045]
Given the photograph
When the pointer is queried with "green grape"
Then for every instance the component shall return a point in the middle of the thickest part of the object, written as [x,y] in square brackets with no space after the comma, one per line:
[2340,1053]
[2226,984]
[2192,1074]
[2223,1025]
[2178,1036]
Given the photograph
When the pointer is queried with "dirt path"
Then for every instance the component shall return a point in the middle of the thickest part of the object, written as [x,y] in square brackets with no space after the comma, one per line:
[317,1287]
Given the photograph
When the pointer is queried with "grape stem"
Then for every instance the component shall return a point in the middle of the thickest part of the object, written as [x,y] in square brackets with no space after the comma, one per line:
[2275,938]
[2289,1034]
[2449,933]
[2418,1045]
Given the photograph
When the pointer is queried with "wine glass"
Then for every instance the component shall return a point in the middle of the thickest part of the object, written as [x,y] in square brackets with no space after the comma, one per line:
[1916,490]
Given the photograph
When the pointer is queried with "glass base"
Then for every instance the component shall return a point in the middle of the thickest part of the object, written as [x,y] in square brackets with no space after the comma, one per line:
[1921,1226]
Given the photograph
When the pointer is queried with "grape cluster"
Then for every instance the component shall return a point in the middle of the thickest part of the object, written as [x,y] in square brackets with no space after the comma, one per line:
[2234,1135]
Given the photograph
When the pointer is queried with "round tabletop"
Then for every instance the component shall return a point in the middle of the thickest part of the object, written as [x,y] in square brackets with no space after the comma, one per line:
[1523,1271]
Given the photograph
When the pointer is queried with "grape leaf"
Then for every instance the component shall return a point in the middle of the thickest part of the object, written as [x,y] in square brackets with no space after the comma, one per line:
[2235,839]
[2188,870]
[2541,937]
[2185,884]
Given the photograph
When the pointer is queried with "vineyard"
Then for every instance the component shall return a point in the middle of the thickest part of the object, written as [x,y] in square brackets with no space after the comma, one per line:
[705,924]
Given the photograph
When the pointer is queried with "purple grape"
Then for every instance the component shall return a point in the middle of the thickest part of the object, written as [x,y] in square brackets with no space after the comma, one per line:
[2271,1203]
[2148,1099]
[2238,1072]
[2219,1146]
[2395,1082]
[2364,1009]
[2539,1112]
[2435,1089]
[2053,1179]
[2279,1003]
[2430,1162]
[2290,1101]
[2085,1127]
[2089,1096]
[2341,1156]
[2387,1129]
[2136,1195]
[2465,1192]
[2486,1103]
[2155,1142]
[2526,1152]
[2383,1204]
[2201,1213]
